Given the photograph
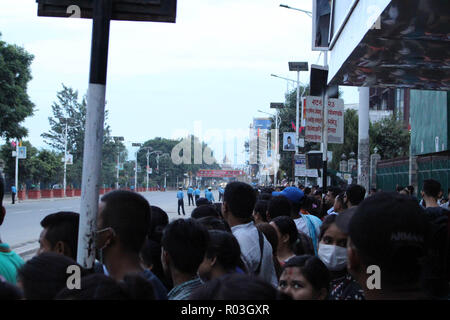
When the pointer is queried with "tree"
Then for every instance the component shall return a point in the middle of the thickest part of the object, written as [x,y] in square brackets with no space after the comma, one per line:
[71,112]
[390,138]
[15,104]
[39,168]
[166,164]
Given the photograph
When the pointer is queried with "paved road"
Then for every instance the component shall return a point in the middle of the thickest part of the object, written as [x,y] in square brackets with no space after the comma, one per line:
[21,227]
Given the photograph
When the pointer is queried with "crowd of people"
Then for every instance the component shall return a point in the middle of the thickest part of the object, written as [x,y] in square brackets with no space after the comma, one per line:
[294,243]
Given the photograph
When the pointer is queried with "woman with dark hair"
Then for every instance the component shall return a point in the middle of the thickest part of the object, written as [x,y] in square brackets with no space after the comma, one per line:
[223,256]
[290,243]
[260,211]
[333,253]
[271,235]
[339,205]
[151,250]
[305,277]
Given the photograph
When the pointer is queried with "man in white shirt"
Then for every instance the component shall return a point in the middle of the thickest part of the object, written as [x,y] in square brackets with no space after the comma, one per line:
[237,209]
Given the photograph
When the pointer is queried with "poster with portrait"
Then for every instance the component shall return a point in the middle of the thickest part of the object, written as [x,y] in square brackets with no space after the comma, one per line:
[289,141]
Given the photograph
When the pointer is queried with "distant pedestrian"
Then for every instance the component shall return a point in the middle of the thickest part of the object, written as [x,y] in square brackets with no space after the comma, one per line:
[13,194]
[180,196]
[221,191]
[190,193]
[209,195]
[196,194]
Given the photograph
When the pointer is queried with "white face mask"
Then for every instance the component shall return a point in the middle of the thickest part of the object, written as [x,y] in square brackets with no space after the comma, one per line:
[334,257]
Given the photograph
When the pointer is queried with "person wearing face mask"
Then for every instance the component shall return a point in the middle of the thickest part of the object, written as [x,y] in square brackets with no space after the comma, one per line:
[333,253]
[305,277]
[123,222]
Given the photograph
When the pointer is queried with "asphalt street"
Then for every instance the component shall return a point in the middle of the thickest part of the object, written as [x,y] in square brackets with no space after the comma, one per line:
[21,227]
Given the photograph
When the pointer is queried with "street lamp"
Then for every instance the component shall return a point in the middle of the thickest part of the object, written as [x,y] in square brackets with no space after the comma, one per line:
[116,139]
[297,66]
[309,13]
[277,123]
[65,152]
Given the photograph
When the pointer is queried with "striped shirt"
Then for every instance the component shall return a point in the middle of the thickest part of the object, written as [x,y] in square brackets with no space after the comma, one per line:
[184,290]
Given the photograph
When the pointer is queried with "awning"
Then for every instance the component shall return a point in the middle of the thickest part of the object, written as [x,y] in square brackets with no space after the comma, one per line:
[408,47]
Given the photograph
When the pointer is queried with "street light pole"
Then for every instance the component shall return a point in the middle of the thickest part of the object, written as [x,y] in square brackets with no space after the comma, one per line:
[118,165]
[148,156]
[65,159]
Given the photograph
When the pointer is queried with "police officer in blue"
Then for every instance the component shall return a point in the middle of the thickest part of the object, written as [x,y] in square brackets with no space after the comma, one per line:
[197,194]
[180,196]
[209,195]
[190,193]
[221,192]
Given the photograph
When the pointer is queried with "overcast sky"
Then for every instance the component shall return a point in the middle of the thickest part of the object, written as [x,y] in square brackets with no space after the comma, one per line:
[210,69]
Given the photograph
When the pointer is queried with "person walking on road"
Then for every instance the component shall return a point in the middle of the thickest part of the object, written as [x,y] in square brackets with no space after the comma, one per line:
[209,195]
[197,194]
[221,191]
[180,196]
[190,193]
[13,194]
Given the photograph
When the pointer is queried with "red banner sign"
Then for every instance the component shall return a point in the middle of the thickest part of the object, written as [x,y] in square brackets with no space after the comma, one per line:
[219,173]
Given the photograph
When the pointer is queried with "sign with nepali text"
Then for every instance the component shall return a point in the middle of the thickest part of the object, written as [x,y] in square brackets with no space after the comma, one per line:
[219,173]
[314,120]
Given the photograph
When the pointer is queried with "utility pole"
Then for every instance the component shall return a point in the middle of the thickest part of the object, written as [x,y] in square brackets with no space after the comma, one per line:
[17,169]
[118,167]
[146,169]
[363,138]
[65,160]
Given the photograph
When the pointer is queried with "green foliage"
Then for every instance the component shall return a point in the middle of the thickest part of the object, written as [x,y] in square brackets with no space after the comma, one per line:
[165,163]
[390,138]
[387,135]
[71,112]
[40,167]
[15,104]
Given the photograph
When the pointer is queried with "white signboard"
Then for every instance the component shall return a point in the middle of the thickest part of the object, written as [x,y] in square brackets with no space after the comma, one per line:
[300,165]
[336,121]
[312,173]
[314,120]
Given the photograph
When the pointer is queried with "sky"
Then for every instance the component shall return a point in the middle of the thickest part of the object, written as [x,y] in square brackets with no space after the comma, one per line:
[207,74]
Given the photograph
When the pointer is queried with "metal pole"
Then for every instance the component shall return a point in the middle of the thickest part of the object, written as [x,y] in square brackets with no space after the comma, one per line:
[276,153]
[363,138]
[65,159]
[148,155]
[135,173]
[93,138]
[17,170]
[118,164]
[325,133]
[297,106]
